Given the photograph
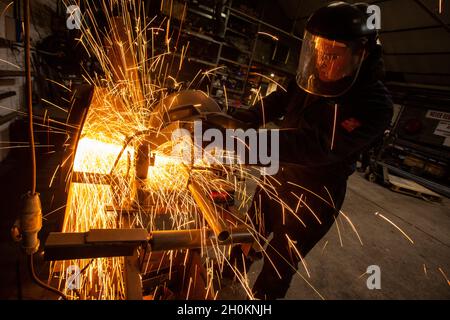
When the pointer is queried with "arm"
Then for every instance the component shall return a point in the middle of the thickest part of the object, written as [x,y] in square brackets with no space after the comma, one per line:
[313,144]
[268,109]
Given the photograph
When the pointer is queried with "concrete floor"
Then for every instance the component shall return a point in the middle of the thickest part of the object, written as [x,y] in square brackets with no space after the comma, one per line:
[408,271]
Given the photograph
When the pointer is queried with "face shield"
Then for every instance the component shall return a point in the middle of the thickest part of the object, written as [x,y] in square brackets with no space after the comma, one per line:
[328,67]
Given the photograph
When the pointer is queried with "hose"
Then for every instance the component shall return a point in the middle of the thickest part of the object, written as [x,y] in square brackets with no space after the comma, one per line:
[40,282]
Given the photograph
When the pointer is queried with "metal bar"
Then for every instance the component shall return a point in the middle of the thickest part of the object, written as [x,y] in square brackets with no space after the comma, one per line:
[11,73]
[7,82]
[209,212]
[7,118]
[94,244]
[123,242]
[439,188]
[91,178]
[7,94]
[425,151]
[5,43]
[196,238]
[238,13]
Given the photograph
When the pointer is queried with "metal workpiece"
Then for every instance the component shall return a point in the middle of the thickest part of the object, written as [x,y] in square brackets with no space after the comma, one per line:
[195,238]
[209,212]
[123,242]
[94,243]
[142,160]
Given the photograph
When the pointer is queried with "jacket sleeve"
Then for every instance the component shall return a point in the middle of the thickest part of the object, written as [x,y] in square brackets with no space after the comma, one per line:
[324,141]
[268,109]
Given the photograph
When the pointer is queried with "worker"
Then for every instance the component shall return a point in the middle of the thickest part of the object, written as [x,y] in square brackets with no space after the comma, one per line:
[335,109]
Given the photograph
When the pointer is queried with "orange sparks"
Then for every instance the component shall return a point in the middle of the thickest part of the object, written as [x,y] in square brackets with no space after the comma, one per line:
[393,224]
[444,275]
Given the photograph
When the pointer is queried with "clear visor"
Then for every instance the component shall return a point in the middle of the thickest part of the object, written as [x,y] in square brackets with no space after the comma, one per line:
[328,67]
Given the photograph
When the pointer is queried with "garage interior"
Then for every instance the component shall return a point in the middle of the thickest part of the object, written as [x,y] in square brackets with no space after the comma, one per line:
[397,207]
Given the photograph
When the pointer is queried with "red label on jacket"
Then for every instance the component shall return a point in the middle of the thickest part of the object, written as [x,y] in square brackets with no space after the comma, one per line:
[350,124]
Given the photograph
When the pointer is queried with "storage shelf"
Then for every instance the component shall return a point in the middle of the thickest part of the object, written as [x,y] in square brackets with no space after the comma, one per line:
[276,68]
[200,36]
[202,14]
[229,90]
[237,32]
[230,75]
[234,62]
[188,58]
[227,49]
[237,48]
[208,15]
[251,19]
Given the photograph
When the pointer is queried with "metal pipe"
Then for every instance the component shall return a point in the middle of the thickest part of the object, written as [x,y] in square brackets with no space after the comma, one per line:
[196,238]
[209,212]
[7,118]
[41,283]
[178,239]
[29,92]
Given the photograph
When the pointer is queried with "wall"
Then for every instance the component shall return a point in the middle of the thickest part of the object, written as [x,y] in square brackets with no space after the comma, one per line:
[41,11]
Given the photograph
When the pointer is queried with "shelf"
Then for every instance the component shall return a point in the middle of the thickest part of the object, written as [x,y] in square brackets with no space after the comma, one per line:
[422,149]
[211,39]
[236,48]
[234,91]
[195,60]
[234,62]
[228,52]
[7,94]
[8,117]
[237,32]
[202,14]
[280,69]
[229,90]
[200,36]
[230,75]
[208,15]
[242,16]
[248,18]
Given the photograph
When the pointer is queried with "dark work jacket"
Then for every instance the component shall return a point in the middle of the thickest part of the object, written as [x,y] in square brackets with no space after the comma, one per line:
[320,138]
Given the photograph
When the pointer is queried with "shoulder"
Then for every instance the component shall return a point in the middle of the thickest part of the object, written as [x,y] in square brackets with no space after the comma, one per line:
[373,96]
[377,90]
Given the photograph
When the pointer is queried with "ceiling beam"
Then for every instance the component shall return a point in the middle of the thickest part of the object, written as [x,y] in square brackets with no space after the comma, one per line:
[433,15]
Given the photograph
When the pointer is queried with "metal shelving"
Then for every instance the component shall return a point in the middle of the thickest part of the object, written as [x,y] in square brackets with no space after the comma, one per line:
[234,62]
[211,64]
[225,56]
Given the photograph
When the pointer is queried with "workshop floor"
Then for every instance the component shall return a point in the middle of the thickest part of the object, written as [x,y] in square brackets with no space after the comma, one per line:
[408,271]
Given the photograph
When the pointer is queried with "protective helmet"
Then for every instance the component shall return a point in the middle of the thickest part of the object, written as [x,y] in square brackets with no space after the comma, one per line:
[336,41]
